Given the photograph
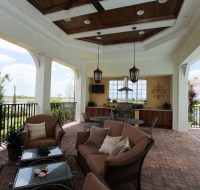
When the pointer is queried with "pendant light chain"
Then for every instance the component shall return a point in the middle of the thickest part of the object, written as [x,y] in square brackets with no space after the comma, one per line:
[134,52]
[98,72]
[134,72]
[98,54]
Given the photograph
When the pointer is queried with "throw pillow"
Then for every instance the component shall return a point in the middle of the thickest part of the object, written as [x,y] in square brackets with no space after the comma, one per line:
[37,130]
[97,136]
[108,144]
[121,147]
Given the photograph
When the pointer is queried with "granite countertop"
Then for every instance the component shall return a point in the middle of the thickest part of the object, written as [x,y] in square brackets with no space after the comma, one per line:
[152,109]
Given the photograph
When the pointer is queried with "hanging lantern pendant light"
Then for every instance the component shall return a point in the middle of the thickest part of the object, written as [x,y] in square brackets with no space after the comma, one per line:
[134,72]
[98,72]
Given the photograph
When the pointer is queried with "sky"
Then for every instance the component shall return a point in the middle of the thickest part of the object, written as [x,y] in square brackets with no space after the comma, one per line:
[19,64]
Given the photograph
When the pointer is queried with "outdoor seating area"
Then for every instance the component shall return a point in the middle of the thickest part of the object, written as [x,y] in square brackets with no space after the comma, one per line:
[172,162]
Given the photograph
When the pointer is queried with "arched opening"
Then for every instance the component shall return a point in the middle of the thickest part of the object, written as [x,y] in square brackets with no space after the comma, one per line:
[62,93]
[62,82]
[19,65]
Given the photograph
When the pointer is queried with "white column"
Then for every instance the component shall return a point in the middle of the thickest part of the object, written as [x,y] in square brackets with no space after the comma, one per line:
[43,82]
[81,95]
[180,98]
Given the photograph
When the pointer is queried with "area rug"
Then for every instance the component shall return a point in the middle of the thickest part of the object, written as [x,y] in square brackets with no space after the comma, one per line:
[8,173]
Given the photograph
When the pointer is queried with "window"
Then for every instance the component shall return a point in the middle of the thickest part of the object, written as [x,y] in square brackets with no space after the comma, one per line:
[138,95]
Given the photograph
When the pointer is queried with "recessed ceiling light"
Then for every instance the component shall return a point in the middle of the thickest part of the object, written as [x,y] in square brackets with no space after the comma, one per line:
[86,21]
[140,12]
[162,1]
[141,32]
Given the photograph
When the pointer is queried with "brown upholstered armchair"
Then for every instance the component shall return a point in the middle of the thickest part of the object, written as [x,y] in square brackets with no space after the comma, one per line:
[53,129]
[94,182]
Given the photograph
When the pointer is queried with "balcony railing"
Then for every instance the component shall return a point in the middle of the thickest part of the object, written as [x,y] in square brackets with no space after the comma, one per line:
[13,116]
[196,115]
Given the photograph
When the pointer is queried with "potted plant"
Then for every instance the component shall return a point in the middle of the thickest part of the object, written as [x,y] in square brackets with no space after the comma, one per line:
[115,113]
[166,106]
[12,141]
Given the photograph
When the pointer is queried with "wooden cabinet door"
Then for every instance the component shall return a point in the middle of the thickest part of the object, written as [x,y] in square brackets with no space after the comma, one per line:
[167,119]
[153,114]
[89,112]
[101,111]
[143,115]
[95,111]
[107,111]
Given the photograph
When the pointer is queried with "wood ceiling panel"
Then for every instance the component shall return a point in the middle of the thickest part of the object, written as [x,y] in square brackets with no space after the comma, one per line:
[50,6]
[123,16]
[124,37]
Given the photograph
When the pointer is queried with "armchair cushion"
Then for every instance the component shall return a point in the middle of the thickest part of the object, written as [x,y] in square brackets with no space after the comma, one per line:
[37,130]
[109,143]
[129,155]
[97,136]
[50,123]
[93,182]
[53,129]
[96,163]
[121,147]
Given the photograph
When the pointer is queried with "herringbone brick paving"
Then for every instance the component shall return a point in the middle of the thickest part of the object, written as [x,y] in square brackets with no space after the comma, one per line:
[173,163]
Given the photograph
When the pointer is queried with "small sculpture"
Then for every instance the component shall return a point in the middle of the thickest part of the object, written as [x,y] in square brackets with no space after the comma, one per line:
[41,173]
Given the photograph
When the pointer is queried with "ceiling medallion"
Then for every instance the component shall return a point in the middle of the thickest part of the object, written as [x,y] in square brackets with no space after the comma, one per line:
[158,91]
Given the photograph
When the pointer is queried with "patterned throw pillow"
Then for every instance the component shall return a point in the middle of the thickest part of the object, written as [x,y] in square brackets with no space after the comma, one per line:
[121,147]
[108,144]
[37,130]
[97,136]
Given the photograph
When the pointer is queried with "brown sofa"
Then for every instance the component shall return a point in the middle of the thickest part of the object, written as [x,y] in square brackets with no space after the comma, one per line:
[122,168]
[54,131]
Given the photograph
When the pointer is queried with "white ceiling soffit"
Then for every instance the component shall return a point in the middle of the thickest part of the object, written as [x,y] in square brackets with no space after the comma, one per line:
[127,28]
[88,9]
[166,39]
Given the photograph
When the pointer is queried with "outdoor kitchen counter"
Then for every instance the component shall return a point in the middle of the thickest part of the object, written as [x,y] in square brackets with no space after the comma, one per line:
[98,111]
[152,109]
[147,115]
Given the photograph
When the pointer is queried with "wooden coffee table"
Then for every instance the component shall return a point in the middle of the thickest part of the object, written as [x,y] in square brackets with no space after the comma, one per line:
[58,173]
[31,155]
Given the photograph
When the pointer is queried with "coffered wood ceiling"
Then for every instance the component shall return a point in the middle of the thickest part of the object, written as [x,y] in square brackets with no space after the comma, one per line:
[113,18]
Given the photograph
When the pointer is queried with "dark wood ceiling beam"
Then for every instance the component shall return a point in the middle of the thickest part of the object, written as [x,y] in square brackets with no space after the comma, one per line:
[36,5]
[61,7]
[125,23]
[97,5]
[68,4]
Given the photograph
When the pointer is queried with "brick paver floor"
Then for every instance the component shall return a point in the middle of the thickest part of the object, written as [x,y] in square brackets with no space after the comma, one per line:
[172,163]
